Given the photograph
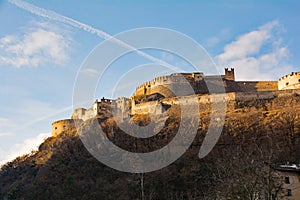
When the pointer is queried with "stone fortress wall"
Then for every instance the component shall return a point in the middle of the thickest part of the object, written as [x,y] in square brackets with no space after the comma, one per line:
[102,108]
[252,86]
[156,96]
[289,81]
[159,106]
[82,113]
[152,96]
[63,125]
[153,107]
[166,84]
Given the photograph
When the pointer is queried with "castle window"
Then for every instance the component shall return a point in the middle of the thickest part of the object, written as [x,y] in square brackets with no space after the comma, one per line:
[289,192]
[287,180]
[298,80]
[287,83]
[55,128]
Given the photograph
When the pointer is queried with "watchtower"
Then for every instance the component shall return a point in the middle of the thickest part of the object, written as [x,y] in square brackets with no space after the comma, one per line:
[229,74]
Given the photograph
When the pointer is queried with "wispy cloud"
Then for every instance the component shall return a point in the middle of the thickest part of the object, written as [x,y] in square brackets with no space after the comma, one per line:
[27,113]
[39,111]
[215,40]
[212,41]
[37,46]
[21,123]
[49,14]
[258,54]
[5,125]
[91,72]
[249,43]
[20,149]
[5,134]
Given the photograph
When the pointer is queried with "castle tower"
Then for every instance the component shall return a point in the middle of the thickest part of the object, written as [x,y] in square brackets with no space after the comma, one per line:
[96,107]
[229,74]
[289,81]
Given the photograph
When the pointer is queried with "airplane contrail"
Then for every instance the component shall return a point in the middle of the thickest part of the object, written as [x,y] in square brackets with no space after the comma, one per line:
[66,20]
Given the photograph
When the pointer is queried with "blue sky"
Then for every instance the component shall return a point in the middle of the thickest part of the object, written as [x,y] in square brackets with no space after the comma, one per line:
[40,57]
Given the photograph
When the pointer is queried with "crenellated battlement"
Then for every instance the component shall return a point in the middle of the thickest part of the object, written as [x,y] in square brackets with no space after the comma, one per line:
[289,75]
[64,125]
[197,80]
[156,96]
[173,78]
[289,81]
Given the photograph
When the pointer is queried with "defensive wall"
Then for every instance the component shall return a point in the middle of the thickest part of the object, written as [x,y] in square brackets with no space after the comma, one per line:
[82,113]
[121,107]
[152,107]
[103,108]
[159,94]
[231,98]
[167,86]
[252,86]
[201,88]
[289,81]
[64,125]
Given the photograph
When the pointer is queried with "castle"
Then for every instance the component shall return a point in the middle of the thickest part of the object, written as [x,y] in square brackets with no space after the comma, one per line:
[156,96]
[156,88]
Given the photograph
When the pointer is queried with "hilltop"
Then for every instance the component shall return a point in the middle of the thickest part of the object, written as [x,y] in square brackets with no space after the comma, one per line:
[257,135]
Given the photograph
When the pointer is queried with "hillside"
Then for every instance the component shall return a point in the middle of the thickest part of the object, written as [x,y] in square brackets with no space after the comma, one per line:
[257,135]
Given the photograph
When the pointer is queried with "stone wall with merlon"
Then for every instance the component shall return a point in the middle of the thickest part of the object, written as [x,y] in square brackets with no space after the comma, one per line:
[64,125]
[289,81]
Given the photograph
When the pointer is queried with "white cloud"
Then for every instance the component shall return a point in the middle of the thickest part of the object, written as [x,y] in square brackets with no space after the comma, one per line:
[7,39]
[257,55]
[26,147]
[272,59]
[27,117]
[37,46]
[249,43]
